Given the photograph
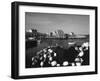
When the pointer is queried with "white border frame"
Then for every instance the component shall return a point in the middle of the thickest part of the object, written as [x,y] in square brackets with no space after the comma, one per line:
[54,70]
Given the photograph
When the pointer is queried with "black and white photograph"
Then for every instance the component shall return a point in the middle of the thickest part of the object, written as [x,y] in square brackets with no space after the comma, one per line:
[56,40]
[50,40]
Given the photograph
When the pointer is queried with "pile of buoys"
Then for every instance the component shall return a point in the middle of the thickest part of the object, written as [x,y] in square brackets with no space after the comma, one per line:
[48,57]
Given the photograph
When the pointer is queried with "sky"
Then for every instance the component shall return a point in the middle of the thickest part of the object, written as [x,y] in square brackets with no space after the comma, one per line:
[49,22]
